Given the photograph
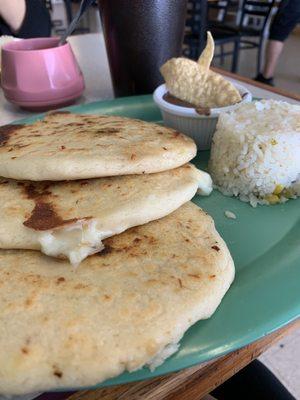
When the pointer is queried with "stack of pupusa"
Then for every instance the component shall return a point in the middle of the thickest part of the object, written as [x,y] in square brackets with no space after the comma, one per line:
[129,304]
[134,172]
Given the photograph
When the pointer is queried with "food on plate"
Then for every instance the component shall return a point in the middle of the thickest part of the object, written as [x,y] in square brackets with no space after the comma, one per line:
[70,219]
[193,82]
[230,214]
[255,152]
[205,186]
[65,146]
[121,309]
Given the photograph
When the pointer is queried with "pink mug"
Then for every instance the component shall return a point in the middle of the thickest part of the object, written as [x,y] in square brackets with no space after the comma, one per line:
[37,74]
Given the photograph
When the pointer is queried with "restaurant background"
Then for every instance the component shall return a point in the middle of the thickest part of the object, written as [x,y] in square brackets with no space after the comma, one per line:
[287,74]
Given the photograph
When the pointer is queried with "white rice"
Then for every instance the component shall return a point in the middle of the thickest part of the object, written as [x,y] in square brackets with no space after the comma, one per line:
[255,152]
[229,214]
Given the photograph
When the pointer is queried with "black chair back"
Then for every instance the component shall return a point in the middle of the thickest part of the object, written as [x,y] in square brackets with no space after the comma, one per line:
[253,9]
[219,10]
[196,15]
[196,25]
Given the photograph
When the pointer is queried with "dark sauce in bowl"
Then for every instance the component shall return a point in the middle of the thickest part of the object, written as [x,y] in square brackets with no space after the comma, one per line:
[169,98]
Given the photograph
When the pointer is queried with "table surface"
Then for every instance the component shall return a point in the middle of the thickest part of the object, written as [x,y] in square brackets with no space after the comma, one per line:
[192,383]
[95,69]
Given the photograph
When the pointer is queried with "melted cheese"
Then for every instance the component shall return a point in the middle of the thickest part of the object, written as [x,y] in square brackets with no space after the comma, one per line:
[75,242]
[205,185]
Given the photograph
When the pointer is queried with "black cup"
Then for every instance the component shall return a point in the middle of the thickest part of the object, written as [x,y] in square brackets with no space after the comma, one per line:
[140,36]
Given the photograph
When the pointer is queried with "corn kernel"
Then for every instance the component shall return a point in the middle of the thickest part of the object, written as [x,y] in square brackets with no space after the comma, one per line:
[272,198]
[278,189]
[274,142]
[288,193]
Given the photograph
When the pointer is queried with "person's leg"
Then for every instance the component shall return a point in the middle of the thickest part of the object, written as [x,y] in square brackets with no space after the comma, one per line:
[273,51]
[254,382]
[288,15]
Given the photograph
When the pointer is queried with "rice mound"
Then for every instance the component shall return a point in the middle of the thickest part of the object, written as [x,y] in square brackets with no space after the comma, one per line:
[255,152]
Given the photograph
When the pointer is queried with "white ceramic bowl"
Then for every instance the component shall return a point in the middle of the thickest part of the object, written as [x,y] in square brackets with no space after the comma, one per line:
[186,120]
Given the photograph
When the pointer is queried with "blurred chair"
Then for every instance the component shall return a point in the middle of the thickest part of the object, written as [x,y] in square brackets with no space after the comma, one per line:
[252,13]
[62,13]
[84,25]
[196,27]
[218,12]
[254,20]
[68,7]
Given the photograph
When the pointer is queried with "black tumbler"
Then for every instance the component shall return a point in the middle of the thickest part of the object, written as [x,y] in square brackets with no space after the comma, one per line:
[140,35]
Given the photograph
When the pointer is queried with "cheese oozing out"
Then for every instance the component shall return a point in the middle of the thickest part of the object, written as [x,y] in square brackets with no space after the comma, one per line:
[74,242]
[205,185]
[81,239]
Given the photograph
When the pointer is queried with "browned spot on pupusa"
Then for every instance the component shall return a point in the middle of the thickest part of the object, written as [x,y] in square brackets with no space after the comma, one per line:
[36,192]
[44,217]
[57,372]
[6,132]
[25,350]
[196,276]
[74,124]
[80,286]
[217,248]
[29,301]
[107,250]
[18,146]
[108,130]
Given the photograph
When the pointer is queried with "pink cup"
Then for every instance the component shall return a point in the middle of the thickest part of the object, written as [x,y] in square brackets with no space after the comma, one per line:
[37,74]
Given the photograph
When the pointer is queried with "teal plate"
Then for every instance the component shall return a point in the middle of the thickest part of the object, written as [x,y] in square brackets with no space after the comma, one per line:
[265,245]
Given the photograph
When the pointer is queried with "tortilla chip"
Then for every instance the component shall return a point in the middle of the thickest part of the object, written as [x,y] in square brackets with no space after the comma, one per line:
[193,81]
[207,54]
[184,79]
[218,91]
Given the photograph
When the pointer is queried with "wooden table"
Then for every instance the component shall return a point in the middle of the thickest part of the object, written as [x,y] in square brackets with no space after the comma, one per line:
[192,383]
